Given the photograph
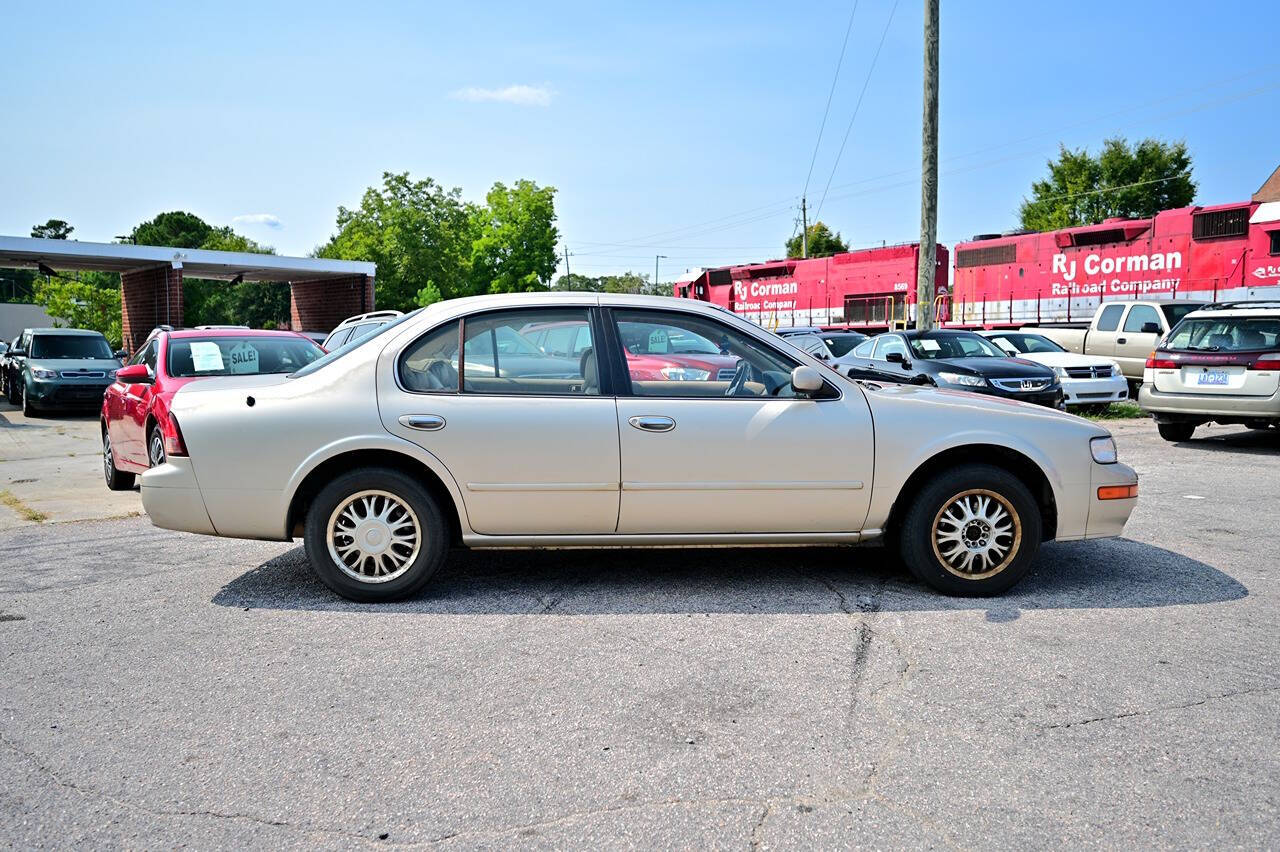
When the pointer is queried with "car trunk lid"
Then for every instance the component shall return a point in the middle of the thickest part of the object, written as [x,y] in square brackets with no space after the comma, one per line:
[1216,374]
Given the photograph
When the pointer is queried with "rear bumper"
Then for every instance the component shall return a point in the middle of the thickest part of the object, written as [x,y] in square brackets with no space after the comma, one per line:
[1108,517]
[1205,406]
[1094,391]
[172,499]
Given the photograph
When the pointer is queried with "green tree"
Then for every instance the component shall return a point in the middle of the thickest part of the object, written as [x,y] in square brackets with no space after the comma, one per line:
[580,283]
[417,232]
[822,242]
[514,250]
[179,229]
[87,302]
[1130,182]
[54,229]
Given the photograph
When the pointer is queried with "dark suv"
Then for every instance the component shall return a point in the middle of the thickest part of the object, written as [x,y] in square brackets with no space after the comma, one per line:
[61,368]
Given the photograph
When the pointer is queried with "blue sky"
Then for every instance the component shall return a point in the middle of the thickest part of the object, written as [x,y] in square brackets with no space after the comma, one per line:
[673,128]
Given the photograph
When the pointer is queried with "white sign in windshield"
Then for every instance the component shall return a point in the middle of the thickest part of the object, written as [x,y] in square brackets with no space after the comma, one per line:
[206,357]
[244,358]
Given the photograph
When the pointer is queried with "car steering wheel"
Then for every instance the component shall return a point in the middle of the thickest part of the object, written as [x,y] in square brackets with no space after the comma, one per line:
[741,375]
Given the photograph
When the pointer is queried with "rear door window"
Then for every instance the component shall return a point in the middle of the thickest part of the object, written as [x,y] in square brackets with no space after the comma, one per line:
[498,358]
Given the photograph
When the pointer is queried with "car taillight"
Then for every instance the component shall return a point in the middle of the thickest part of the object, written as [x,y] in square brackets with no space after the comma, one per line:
[173,443]
[1270,361]
[1155,362]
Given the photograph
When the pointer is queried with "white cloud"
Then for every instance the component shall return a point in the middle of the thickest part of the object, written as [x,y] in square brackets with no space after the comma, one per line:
[522,95]
[269,220]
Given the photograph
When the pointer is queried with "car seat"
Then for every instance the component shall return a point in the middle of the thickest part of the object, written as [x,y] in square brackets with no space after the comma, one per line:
[590,371]
[1222,341]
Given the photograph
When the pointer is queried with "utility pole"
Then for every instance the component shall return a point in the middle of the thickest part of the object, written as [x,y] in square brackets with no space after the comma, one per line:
[927,256]
[656,258]
[804,227]
[566,263]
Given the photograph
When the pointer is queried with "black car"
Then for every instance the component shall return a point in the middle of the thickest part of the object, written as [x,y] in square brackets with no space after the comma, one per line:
[960,360]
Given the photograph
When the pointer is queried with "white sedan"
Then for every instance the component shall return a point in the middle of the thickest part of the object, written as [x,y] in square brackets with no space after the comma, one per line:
[434,432]
[1087,380]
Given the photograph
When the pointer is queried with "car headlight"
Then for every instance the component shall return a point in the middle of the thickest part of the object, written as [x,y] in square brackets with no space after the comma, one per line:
[1115,369]
[962,379]
[1103,450]
[685,374]
[43,374]
[111,374]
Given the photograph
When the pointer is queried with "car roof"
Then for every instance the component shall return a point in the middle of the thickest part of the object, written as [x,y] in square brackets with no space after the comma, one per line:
[82,332]
[1237,309]
[232,332]
[933,332]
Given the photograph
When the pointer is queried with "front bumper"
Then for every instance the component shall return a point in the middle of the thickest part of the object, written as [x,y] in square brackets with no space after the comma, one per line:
[171,498]
[1051,398]
[64,393]
[1095,391]
[1206,406]
[1108,517]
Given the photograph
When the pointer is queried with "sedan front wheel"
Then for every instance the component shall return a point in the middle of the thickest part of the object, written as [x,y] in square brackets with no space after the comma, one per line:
[375,534]
[973,530]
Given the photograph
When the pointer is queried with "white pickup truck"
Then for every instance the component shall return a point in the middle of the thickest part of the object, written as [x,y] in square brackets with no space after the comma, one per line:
[1125,330]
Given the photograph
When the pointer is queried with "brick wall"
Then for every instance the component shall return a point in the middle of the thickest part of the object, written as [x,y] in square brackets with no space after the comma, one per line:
[321,305]
[149,297]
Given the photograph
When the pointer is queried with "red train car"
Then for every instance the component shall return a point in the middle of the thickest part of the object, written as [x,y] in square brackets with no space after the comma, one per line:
[868,288]
[1220,253]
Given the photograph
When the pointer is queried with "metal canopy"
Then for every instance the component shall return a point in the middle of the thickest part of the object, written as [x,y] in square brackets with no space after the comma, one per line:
[30,252]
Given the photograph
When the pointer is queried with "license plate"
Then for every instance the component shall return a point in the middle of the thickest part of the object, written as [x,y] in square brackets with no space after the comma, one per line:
[1212,377]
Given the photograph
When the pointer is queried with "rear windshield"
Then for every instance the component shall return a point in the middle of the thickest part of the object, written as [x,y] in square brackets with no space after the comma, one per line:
[840,344]
[1226,334]
[70,346]
[335,354]
[191,357]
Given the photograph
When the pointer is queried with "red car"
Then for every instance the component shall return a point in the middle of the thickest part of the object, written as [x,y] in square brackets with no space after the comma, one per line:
[137,431]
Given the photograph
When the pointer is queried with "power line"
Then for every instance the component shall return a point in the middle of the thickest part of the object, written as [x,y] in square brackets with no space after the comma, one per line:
[857,107]
[834,79]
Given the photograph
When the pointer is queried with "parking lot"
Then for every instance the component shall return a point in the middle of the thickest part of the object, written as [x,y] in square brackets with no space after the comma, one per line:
[164,689]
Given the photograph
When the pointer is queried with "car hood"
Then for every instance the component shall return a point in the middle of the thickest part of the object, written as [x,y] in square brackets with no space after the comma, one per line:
[1012,368]
[1066,359]
[92,365]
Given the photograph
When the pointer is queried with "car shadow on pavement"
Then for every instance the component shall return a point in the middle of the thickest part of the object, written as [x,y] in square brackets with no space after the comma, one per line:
[1250,442]
[1112,573]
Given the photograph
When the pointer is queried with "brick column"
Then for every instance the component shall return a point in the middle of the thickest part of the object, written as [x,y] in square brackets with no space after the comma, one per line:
[148,298]
[321,304]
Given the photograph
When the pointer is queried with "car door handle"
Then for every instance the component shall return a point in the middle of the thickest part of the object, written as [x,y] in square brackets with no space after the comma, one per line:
[652,423]
[1121,340]
[425,422]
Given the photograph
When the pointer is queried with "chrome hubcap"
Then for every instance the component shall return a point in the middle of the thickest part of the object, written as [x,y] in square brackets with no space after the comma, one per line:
[107,462]
[374,536]
[157,449]
[976,534]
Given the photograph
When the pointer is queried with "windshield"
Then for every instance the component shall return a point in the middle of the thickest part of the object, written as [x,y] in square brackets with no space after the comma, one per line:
[1226,334]
[931,347]
[840,344]
[1025,343]
[70,346]
[351,345]
[239,356]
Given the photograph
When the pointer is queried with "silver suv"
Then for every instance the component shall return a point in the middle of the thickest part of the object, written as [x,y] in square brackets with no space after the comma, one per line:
[356,327]
[1221,364]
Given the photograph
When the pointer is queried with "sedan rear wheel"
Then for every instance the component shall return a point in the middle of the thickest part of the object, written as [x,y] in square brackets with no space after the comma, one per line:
[116,480]
[974,530]
[375,534]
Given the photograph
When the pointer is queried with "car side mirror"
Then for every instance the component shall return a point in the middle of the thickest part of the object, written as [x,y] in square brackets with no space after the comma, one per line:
[17,353]
[121,355]
[135,374]
[898,358]
[1151,328]
[806,380]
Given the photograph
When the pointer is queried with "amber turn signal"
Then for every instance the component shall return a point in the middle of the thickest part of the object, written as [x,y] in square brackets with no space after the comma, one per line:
[1117,492]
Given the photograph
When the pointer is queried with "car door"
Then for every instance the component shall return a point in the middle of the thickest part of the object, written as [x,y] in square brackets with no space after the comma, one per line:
[529,438]
[696,460]
[1133,345]
[129,441]
[1101,338]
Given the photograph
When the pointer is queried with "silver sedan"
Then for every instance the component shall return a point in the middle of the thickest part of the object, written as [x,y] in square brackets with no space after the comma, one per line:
[449,427]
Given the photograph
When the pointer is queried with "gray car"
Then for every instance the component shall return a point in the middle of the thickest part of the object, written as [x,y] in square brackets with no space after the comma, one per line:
[61,368]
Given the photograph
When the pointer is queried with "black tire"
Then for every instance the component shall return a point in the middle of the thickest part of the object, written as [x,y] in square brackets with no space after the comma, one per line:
[433,535]
[925,560]
[117,480]
[28,410]
[156,454]
[1176,431]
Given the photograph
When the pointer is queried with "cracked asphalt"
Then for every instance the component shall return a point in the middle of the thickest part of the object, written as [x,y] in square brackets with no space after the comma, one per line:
[161,689]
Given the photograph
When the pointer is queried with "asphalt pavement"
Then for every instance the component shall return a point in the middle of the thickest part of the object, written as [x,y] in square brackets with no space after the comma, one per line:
[164,689]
